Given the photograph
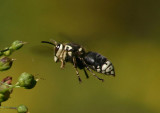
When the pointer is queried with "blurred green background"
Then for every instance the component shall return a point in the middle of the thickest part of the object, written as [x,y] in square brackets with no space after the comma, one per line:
[125,31]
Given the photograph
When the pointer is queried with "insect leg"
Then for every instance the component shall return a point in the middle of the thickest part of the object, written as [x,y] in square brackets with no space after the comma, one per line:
[75,66]
[62,63]
[86,73]
[62,57]
[94,74]
[91,71]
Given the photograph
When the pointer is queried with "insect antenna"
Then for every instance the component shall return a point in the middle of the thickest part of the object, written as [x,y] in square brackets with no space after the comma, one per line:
[48,42]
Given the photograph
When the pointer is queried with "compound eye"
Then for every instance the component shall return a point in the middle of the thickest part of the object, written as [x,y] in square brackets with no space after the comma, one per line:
[57,46]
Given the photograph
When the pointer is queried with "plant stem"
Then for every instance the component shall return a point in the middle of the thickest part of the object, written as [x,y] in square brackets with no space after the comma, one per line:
[4,107]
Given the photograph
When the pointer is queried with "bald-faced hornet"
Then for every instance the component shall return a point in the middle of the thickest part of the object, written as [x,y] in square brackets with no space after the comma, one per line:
[76,54]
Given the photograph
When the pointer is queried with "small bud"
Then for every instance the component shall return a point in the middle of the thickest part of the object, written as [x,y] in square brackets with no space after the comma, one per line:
[22,109]
[7,52]
[16,45]
[7,80]
[26,80]
[2,51]
[5,63]
[4,96]
[5,91]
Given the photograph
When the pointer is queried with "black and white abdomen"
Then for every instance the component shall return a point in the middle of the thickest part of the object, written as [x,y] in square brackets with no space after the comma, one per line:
[99,63]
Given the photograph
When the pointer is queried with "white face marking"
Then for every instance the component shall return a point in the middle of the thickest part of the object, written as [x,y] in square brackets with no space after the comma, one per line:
[109,68]
[59,50]
[98,67]
[55,59]
[104,67]
[70,53]
[98,70]
[80,49]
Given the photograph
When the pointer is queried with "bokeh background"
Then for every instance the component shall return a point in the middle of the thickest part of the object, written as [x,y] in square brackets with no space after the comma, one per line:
[125,31]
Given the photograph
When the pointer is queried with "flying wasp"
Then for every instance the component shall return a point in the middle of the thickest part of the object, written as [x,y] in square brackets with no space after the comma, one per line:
[77,55]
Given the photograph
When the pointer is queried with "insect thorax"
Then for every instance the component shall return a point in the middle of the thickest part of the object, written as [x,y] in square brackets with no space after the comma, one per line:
[66,52]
